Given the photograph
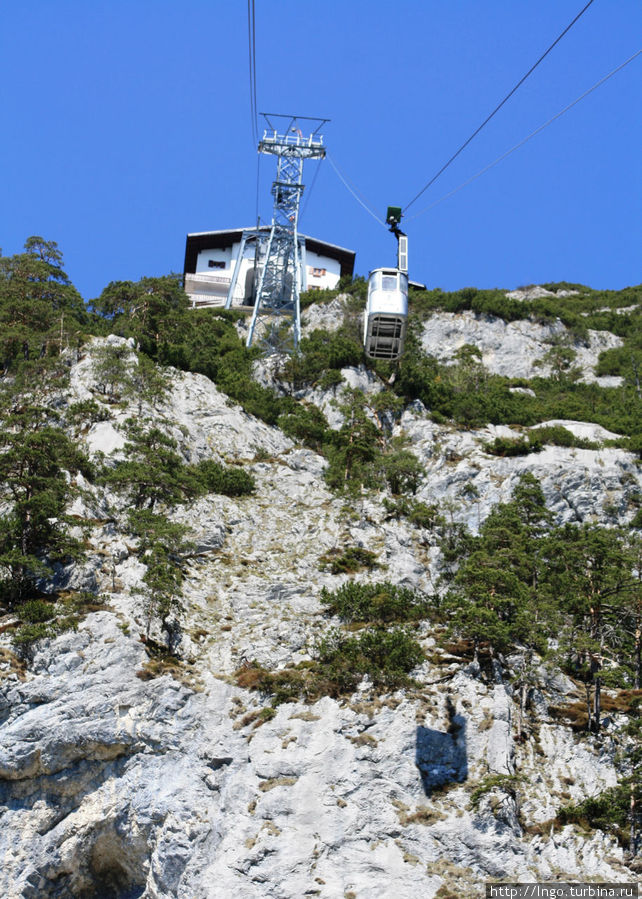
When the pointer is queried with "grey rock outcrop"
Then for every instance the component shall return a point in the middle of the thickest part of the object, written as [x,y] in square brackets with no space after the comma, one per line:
[327,317]
[514,349]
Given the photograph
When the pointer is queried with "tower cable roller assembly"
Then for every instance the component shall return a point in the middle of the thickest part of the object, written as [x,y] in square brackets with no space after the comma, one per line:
[275,324]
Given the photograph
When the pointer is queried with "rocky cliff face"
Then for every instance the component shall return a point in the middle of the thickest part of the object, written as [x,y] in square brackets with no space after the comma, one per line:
[117,783]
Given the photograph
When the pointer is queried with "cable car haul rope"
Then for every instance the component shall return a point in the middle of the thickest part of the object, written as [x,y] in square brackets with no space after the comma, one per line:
[498,107]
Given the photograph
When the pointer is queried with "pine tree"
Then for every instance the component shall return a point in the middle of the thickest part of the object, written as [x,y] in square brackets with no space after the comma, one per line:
[153,471]
[497,597]
[357,445]
[35,462]
[162,547]
[122,372]
[39,307]
[152,310]
[592,574]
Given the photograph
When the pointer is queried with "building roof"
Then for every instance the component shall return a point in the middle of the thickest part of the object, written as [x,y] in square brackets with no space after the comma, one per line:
[208,240]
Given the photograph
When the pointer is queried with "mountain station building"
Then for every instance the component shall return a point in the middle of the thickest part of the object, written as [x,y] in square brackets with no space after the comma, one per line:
[211,257]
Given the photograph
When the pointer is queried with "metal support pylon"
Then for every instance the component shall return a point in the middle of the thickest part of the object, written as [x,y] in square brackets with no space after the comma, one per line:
[275,322]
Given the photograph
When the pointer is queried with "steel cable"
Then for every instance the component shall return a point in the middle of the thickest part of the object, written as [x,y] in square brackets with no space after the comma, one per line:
[311,188]
[251,27]
[354,193]
[498,107]
[526,139]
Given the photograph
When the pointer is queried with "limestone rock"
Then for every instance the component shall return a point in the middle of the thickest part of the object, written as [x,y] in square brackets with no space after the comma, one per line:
[577,483]
[533,293]
[513,349]
[118,779]
[327,316]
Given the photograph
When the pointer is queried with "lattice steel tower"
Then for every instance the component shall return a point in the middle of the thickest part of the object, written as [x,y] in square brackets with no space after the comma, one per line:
[275,322]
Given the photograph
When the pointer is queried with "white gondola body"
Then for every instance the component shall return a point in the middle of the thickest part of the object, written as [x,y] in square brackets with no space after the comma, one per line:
[386,314]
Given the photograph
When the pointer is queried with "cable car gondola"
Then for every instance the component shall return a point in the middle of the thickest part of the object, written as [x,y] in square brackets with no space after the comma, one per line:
[386,312]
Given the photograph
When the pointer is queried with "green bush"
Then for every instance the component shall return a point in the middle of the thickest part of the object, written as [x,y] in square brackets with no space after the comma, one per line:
[380,602]
[87,411]
[238,384]
[385,656]
[419,514]
[329,379]
[29,634]
[554,435]
[607,811]
[320,352]
[512,446]
[635,445]
[45,619]
[216,478]
[353,558]
[402,471]
[509,783]
[356,288]
[154,472]
[306,424]
[37,611]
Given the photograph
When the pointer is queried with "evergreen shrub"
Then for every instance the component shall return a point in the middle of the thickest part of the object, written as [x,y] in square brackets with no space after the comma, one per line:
[385,656]
[608,811]
[381,602]
[217,478]
[353,558]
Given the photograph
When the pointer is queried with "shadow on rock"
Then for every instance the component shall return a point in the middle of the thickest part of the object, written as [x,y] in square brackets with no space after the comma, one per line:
[441,755]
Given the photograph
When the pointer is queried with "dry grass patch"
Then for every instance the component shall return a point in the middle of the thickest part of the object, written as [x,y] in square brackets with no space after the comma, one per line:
[542,828]
[575,714]
[457,881]
[256,718]
[423,815]
[16,665]
[153,668]
[273,782]
[364,740]
[306,716]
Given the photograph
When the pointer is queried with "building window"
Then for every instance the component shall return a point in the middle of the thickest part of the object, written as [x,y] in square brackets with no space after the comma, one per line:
[215,263]
[318,272]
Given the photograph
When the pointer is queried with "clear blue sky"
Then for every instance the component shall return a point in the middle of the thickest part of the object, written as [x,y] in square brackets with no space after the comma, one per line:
[127,125]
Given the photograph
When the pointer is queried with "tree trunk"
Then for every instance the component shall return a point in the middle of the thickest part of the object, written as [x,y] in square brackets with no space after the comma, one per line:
[589,723]
[349,453]
[522,703]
